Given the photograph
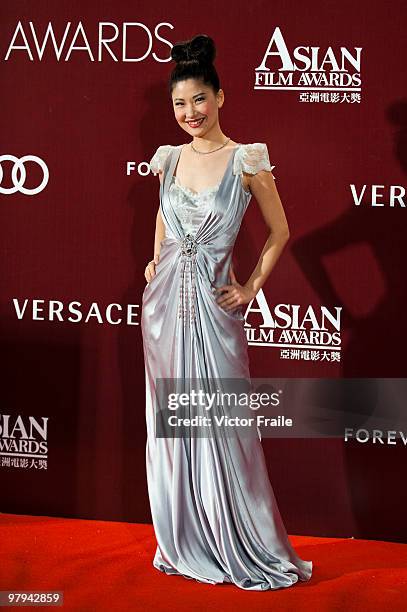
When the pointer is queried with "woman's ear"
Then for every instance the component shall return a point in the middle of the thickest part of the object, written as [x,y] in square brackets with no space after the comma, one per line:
[220,98]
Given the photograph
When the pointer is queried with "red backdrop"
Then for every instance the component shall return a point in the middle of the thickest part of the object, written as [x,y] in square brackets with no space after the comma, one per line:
[93,112]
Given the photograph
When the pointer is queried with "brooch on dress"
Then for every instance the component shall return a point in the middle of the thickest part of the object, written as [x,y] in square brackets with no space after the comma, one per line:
[187,290]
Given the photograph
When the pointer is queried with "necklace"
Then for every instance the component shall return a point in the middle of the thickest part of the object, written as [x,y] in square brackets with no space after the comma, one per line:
[207,152]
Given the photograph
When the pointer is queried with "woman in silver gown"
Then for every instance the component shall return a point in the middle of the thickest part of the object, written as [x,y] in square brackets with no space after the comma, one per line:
[214,512]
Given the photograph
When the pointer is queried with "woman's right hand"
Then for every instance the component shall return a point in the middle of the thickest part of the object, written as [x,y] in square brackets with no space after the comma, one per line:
[150,271]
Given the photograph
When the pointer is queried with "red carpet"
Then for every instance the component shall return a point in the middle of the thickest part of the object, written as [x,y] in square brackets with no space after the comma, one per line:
[106,566]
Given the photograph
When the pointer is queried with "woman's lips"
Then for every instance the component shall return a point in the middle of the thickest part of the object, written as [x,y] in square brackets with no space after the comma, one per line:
[195,124]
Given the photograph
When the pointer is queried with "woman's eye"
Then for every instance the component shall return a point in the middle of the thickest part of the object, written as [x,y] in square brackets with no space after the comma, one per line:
[197,100]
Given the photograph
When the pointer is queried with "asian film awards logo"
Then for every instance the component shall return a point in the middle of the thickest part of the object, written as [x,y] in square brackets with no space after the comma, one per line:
[300,332]
[320,74]
[23,441]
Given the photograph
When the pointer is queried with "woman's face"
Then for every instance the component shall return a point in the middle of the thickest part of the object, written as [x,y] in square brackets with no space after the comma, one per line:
[195,106]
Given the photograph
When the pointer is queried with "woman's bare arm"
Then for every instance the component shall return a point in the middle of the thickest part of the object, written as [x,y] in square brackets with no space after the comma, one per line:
[159,233]
[263,188]
[158,238]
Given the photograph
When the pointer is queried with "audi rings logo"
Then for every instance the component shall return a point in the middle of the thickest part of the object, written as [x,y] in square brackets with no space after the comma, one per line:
[19,174]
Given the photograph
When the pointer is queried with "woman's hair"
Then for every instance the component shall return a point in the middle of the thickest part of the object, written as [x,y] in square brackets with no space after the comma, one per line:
[194,59]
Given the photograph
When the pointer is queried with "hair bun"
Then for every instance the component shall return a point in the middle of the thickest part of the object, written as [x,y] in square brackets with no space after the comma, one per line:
[200,48]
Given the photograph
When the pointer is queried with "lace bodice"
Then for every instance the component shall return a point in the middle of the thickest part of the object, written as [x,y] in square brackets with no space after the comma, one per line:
[191,207]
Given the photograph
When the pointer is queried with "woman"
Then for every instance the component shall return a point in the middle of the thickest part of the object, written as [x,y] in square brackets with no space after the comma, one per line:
[214,512]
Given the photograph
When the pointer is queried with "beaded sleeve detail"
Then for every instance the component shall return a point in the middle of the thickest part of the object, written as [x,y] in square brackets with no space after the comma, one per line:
[157,161]
[251,158]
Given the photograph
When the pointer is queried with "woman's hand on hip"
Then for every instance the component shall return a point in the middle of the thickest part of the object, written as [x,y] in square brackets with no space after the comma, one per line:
[150,270]
[233,295]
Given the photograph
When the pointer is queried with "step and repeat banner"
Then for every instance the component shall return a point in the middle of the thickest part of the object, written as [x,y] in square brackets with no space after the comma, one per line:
[85,105]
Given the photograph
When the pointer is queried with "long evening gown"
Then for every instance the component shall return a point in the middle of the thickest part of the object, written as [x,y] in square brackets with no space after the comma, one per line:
[214,512]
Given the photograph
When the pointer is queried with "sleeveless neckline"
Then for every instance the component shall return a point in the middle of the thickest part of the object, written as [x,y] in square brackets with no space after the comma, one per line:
[194,194]
[190,191]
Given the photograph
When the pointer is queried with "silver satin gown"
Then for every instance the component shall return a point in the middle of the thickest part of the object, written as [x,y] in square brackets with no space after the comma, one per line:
[214,512]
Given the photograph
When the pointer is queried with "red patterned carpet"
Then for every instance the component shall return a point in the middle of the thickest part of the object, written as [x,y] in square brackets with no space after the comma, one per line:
[106,566]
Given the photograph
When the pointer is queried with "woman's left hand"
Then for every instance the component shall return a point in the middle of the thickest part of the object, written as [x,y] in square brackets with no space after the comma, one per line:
[233,295]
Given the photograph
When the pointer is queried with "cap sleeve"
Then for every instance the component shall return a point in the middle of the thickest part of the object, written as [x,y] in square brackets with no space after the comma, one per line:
[252,158]
[157,161]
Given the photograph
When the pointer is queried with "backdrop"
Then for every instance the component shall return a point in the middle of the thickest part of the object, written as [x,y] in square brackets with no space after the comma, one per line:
[84,107]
